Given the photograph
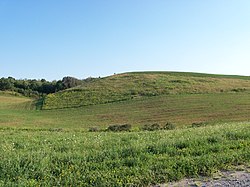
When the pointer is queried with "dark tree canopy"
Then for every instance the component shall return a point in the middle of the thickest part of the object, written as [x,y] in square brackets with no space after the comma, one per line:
[69,82]
[33,87]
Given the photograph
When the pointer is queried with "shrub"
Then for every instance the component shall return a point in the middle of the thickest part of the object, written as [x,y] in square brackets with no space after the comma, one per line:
[178,81]
[55,129]
[198,124]
[151,127]
[133,92]
[169,126]
[118,128]
[238,90]
[148,93]
[93,129]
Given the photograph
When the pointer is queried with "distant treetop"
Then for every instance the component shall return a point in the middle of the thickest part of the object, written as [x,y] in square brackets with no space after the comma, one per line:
[36,88]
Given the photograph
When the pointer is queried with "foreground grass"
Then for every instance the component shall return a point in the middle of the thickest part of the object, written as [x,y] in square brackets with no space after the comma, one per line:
[72,158]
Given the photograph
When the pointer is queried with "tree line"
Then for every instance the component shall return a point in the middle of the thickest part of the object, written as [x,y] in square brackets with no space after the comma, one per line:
[36,88]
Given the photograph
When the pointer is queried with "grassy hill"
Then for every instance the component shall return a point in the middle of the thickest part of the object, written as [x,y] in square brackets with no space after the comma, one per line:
[51,147]
[54,147]
[137,85]
[182,110]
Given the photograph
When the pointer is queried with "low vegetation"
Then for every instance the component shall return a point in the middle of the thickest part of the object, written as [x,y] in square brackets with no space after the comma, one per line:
[72,158]
[135,129]
[156,126]
[133,86]
[151,127]
[181,110]
[119,128]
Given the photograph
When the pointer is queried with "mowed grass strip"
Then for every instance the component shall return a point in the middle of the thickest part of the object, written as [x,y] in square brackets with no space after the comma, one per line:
[58,158]
[181,110]
[10,101]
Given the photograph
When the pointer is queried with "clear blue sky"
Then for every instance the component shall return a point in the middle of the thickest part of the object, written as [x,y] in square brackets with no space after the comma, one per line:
[54,38]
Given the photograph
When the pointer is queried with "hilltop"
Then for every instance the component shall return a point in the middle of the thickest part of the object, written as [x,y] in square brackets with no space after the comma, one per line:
[137,85]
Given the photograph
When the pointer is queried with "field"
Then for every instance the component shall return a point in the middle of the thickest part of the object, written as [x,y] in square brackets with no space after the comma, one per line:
[182,110]
[73,158]
[53,147]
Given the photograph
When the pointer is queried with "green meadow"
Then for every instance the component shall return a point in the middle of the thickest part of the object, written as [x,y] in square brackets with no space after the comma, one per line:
[48,143]
[182,110]
[72,158]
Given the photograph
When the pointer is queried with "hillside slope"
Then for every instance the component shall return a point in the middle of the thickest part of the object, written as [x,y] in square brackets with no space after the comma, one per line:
[136,85]
[13,100]
[181,110]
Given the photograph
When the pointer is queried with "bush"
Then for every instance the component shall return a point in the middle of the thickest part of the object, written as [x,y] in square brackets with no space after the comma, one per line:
[198,124]
[151,127]
[118,128]
[55,129]
[238,89]
[93,129]
[169,126]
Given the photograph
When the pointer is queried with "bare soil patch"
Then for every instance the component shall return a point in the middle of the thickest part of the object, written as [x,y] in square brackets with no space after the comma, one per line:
[221,179]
